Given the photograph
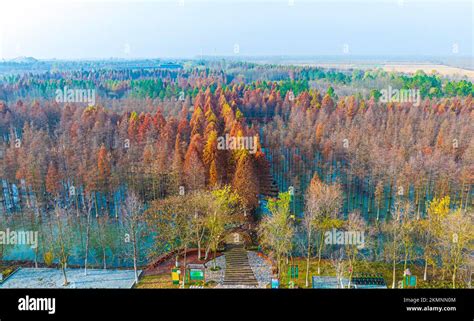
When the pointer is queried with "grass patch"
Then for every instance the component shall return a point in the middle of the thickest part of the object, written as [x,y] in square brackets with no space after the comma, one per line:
[160,281]
[6,270]
[163,281]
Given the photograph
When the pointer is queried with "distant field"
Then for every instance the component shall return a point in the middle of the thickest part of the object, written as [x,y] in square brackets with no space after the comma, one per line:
[441,69]
[407,68]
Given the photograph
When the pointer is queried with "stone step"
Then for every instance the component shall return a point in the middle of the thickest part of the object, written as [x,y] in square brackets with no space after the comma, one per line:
[238,271]
[240,280]
[237,275]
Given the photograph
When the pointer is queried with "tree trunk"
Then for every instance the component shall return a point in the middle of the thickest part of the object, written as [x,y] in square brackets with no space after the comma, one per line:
[63,257]
[87,243]
[104,254]
[199,249]
[454,277]
[319,255]
[425,274]
[63,268]
[467,197]
[77,204]
[96,205]
[184,265]
[208,248]
[405,261]
[308,259]
[135,256]
[215,254]
[36,256]
[351,264]
[278,267]
[394,274]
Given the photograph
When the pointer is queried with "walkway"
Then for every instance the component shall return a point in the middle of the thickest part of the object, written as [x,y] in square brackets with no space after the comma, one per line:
[238,272]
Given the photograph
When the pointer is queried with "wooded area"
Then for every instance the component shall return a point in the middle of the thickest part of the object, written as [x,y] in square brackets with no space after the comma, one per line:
[397,171]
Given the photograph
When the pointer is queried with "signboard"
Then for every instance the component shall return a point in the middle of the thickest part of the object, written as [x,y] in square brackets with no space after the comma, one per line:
[293,271]
[196,275]
[275,284]
[175,275]
[329,282]
[409,281]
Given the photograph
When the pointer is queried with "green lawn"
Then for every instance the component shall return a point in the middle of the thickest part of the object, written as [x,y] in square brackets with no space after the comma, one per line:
[6,270]
[163,281]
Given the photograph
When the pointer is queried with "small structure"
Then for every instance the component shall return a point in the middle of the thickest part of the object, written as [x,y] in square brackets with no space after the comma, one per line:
[293,271]
[368,281]
[329,282]
[195,272]
[409,281]
[175,275]
[275,284]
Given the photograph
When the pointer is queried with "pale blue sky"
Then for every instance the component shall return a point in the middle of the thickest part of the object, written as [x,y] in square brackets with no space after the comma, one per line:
[149,29]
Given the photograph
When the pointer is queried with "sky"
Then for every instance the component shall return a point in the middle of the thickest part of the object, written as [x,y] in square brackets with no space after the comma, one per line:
[189,28]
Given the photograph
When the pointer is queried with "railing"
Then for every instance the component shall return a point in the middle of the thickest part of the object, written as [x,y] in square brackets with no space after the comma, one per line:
[9,275]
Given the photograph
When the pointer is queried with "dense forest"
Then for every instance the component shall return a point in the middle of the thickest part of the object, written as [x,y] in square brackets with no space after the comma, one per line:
[155,133]
[375,149]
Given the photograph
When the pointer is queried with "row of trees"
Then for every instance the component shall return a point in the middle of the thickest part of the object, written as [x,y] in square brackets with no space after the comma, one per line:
[379,152]
[443,239]
[377,164]
[137,235]
[163,82]
[200,219]
[65,238]
[61,155]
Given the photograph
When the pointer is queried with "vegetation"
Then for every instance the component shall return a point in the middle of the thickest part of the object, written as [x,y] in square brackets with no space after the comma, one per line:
[143,171]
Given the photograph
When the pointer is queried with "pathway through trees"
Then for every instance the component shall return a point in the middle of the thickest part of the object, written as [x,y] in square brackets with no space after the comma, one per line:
[238,271]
